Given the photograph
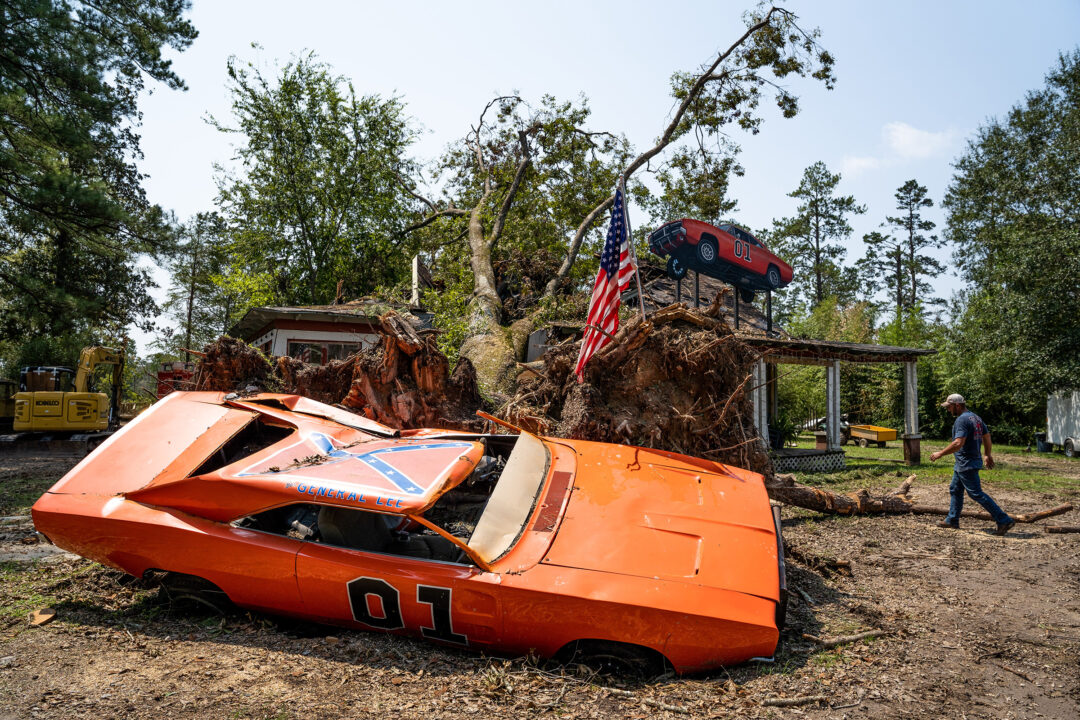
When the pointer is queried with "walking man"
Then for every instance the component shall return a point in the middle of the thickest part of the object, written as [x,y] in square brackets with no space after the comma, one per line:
[969,432]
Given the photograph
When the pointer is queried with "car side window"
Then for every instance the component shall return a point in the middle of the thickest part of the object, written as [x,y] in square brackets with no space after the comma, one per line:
[354,529]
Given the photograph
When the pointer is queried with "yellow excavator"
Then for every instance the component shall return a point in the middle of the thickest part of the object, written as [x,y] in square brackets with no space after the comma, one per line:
[58,399]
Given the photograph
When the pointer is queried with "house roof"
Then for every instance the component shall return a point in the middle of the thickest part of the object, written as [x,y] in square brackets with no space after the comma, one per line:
[357,312]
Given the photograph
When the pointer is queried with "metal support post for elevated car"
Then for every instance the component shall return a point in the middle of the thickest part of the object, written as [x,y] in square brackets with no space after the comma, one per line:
[697,291]
[678,290]
[768,312]
[735,293]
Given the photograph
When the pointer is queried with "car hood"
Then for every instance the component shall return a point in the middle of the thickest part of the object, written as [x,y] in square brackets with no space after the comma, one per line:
[658,515]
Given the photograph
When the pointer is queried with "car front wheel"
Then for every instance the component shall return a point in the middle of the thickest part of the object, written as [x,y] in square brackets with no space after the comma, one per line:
[708,251]
[676,268]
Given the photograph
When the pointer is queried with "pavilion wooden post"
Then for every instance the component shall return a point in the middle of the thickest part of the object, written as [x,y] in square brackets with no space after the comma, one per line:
[832,404]
[912,438]
[760,398]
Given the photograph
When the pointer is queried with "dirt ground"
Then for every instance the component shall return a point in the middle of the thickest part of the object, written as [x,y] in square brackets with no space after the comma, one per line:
[980,627]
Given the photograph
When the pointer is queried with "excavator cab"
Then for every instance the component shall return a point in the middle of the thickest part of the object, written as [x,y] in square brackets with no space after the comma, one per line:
[59,399]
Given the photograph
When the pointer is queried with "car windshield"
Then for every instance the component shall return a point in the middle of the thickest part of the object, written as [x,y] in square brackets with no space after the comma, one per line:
[512,500]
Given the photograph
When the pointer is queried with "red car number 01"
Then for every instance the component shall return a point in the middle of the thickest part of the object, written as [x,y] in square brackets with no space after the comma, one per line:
[742,250]
[438,598]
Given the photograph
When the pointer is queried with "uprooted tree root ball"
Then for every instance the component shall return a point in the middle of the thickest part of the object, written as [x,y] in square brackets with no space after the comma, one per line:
[404,381]
[678,381]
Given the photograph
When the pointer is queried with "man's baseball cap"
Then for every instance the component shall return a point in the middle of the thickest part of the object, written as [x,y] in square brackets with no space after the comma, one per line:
[954,399]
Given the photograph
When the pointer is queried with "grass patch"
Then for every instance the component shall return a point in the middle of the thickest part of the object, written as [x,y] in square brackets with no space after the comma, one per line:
[1016,468]
[22,491]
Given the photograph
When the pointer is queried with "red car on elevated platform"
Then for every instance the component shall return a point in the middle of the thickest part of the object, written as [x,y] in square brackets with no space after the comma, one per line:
[726,252]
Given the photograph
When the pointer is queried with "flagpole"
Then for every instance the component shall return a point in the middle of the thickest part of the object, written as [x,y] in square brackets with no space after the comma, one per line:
[630,242]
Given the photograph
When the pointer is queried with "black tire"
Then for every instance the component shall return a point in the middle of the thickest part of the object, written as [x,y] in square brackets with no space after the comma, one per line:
[609,657]
[1070,448]
[180,587]
[881,443]
[676,268]
[708,251]
[772,277]
[747,296]
[863,442]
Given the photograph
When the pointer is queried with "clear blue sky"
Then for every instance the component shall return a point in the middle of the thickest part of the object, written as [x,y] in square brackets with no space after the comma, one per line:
[914,81]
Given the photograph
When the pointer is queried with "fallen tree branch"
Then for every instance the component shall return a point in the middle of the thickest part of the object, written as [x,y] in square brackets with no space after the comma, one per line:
[649,701]
[793,702]
[827,643]
[1063,528]
[783,488]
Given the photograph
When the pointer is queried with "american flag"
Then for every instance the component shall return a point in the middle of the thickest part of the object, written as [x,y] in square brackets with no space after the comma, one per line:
[616,269]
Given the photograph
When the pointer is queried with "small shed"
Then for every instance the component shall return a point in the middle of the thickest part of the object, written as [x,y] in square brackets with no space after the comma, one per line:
[318,334]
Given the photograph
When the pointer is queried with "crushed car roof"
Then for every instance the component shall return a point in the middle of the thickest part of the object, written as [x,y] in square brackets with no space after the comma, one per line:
[361,464]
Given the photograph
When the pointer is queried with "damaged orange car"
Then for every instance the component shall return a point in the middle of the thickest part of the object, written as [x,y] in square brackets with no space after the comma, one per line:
[507,544]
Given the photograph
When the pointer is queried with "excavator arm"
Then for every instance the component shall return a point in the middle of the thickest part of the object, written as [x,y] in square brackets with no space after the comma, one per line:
[90,358]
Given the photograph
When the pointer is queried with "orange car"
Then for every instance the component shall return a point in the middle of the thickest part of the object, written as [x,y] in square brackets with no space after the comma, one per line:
[502,543]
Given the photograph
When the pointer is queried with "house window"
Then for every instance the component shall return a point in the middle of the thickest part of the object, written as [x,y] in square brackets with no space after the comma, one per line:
[320,353]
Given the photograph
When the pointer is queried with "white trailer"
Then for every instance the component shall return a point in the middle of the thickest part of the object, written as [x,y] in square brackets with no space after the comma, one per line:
[1063,421]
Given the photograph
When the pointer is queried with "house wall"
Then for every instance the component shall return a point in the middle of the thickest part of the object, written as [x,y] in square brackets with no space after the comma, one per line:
[276,340]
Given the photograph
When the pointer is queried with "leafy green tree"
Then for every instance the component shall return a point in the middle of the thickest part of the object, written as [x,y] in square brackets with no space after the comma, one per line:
[1013,214]
[73,214]
[711,101]
[885,256]
[911,226]
[200,304]
[694,183]
[812,240]
[317,197]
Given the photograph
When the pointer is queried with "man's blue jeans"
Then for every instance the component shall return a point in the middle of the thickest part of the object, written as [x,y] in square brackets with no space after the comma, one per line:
[968,480]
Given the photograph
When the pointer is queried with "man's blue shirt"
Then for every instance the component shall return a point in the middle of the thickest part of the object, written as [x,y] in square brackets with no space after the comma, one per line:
[970,427]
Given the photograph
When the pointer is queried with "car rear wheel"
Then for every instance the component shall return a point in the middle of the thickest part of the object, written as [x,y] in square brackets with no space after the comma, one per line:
[772,276]
[708,251]
[676,268]
[179,587]
[1070,448]
[614,658]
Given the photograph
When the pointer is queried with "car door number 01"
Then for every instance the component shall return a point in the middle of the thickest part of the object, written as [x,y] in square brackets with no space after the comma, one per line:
[742,249]
[438,598]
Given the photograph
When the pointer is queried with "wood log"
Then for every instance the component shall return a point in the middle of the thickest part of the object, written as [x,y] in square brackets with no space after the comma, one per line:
[844,639]
[793,702]
[1063,528]
[783,488]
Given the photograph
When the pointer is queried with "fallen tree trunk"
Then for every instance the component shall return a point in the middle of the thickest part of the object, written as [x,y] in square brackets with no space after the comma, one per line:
[784,489]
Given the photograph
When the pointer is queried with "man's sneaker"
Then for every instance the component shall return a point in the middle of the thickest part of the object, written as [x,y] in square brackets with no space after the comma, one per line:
[955,525]
[1005,527]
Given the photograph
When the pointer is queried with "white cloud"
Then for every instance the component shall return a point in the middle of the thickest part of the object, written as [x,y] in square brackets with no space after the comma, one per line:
[853,165]
[909,143]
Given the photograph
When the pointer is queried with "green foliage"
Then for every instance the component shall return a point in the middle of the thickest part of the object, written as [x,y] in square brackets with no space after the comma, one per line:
[73,215]
[910,225]
[812,241]
[1013,212]
[202,301]
[319,198]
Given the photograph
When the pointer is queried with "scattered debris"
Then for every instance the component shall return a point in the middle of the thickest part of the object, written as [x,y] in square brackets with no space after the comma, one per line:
[793,701]
[42,616]
[783,488]
[827,643]
[403,382]
[679,381]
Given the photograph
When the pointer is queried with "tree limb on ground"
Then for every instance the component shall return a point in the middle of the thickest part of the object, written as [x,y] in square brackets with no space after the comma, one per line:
[827,643]
[783,488]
